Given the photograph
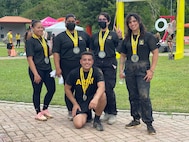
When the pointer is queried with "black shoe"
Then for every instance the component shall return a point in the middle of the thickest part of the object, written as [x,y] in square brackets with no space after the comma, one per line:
[151,129]
[133,123]
[98,126]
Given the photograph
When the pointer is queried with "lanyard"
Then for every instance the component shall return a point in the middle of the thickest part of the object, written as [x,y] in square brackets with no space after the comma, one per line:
[134,43]
[43,43]
[102,39]
[73,38]
[85,82]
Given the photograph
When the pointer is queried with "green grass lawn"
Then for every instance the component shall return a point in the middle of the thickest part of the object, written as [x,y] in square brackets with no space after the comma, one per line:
[169,87]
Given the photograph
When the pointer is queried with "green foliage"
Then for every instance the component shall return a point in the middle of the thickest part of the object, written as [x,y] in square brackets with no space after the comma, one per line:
[88,10]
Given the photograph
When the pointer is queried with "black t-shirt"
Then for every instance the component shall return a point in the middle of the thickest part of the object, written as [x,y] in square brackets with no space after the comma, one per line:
[110,45]
[35,49]
[146,44]
[63,45]
[74,80]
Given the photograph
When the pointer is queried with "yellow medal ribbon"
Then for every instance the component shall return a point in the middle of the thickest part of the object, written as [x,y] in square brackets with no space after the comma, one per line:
[85,82]
[73,38]
[43,43]
[134,43]
[102,39]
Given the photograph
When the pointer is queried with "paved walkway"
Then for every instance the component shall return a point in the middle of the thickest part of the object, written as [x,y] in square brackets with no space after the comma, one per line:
[17,124]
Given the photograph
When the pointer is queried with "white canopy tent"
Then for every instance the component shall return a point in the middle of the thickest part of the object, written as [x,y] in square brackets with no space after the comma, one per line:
[60,27]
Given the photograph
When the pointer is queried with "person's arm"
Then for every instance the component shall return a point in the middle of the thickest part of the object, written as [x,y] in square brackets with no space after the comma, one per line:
[151,71]
[100,90]
[56,58]
[122,65]
[32,66]
[70,96]
[154,59]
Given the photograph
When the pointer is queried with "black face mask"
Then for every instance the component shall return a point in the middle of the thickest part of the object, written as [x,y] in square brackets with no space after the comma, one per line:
[102,24]
[70,26]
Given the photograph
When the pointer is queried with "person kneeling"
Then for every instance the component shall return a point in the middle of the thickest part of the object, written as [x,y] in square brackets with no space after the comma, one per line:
[89,87]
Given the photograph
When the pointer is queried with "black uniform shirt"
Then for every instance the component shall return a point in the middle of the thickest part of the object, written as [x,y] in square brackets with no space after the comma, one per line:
[74,80]
[35,49]
[146,44]
[110,45]
[63,45]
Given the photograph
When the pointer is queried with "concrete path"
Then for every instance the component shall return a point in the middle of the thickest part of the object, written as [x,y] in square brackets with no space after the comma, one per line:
[17,124]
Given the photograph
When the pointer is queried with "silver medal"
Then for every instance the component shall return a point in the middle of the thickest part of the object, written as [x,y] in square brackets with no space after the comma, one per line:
[101,54]
[46,60]
[76,50]
[134,58]
[84,97]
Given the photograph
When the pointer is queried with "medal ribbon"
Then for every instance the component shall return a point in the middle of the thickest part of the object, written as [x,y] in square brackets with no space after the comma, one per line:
[85,82]
[43,43]
[73,38]
[102,39]
[134,43]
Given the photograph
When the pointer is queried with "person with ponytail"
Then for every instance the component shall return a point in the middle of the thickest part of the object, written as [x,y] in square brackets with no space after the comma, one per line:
[38,52]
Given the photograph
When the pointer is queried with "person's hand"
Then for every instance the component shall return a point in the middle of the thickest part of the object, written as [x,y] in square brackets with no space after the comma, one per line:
[74,109]
[121,74]
[37,78]
[93,104]
[58,72]
[149,75]
[118,31]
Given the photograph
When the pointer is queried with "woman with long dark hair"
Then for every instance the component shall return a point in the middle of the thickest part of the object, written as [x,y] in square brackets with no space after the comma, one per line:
[135,63]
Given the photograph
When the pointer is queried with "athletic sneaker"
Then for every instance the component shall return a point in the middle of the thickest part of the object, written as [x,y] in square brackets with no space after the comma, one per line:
[105,117]
[40,117]
[133,123]
[70,117]
[46,113]
[151,129]
[98,125]
[112,119]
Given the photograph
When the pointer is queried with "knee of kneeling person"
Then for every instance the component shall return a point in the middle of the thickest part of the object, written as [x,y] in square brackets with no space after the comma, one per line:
[78,124]
[79,120]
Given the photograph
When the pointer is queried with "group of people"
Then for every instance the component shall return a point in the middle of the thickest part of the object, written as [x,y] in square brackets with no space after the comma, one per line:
[88,66]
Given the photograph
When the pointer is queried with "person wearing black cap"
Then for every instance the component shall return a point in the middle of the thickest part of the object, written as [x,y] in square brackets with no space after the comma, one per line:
[104,44]
[67,49]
